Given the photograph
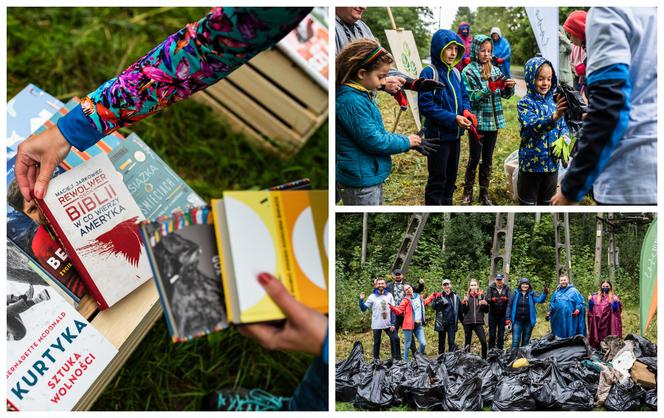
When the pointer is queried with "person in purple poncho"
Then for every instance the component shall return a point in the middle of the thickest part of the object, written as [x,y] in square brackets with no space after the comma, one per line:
[604,314]
[566,310]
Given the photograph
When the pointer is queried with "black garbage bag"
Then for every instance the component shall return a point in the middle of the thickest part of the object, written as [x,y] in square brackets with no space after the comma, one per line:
[554,391]
[397,370]
[574,371]
[374,390]
[650,398]
[624,397]
[513,394]
[492,374]
[650,362]
[348,374]
[561,349]
[464,395]
[643,346]
[423,385]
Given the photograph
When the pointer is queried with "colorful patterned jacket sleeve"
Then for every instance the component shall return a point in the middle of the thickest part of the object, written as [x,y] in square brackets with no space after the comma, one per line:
[193,58]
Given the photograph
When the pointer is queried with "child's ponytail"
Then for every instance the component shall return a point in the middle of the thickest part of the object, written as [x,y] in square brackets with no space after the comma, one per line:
[360,54]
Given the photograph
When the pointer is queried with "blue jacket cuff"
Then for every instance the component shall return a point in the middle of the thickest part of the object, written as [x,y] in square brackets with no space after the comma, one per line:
[325,354]
[78,130]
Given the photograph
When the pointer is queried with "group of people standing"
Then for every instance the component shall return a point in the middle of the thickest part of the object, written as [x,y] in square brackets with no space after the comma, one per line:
[398,305]
[463,89]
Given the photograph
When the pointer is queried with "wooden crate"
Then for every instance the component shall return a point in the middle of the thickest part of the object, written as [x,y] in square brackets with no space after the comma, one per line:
[272,101]
[125,324]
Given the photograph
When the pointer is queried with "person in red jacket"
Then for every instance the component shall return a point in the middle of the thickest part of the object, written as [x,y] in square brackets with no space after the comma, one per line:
[474,306]
[412,309]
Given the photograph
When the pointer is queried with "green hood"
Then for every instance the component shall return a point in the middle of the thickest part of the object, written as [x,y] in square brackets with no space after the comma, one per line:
[475,46]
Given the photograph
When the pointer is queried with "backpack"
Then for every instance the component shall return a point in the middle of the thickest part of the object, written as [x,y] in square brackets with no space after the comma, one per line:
[436,78]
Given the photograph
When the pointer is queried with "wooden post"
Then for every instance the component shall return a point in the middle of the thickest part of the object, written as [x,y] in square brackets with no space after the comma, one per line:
[365,233]
[598,248]
[389,13]
[394,26]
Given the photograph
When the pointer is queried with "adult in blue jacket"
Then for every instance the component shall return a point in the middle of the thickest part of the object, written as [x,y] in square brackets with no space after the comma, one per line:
[567,310]
[445,113]
[502,50]
[521,312]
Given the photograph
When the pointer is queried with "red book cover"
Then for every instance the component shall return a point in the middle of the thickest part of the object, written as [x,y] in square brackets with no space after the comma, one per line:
[95,218]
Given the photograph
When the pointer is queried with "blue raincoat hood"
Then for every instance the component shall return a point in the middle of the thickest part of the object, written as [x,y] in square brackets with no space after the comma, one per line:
[530,73]
[441,39]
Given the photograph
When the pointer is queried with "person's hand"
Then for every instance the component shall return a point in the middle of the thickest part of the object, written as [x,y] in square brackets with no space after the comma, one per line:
[575,313]
[468,115]
[37,158]
[548,316]
[590,296]
[362,295]
[393,84]
[422,85]
[503,298]
[507,322]
[546,289]
[304,329]
[494,299]
[414,140]
[463,122]
[510,82]
[439,295]
[392,328]
[465,299]
[560,199]
[466,60]
[497,85]
[483,302]
[421,281]
[561,107]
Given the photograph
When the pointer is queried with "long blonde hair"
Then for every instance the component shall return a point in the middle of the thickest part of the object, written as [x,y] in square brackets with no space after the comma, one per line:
[486,67]
[353,58]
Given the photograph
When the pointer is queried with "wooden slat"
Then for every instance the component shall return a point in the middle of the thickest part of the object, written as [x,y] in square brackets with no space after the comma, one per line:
[289,76]
[270,96]
[258,117]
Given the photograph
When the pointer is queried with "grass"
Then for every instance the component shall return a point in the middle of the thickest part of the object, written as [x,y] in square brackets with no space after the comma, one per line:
[405,186]
[345,340]
[69,52]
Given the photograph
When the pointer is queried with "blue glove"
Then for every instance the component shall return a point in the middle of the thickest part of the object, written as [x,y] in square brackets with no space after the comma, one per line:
[615,306]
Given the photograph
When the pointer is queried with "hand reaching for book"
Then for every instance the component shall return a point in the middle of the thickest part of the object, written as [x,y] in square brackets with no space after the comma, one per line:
[36,160]
[304,330]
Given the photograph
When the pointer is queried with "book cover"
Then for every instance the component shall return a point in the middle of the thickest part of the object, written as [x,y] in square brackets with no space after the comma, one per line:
[95,218]
[26,112]
[26,227]
[272,231]
[185,264]
[53,354]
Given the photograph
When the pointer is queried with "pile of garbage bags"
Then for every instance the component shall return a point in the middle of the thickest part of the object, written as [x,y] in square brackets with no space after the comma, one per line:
[551,373]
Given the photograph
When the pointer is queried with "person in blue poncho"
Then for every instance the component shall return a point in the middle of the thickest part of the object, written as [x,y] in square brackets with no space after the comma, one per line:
[501,50]
[567,310]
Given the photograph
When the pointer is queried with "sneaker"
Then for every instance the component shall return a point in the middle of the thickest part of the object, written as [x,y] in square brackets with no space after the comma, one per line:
[42,296]
[243,400]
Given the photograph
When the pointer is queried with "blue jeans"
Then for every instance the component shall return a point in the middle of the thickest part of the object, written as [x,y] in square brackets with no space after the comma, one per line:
[521,334]
[311,395]
[408,335]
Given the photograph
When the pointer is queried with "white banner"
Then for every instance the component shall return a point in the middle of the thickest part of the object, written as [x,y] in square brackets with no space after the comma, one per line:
[544,21]
[407,60]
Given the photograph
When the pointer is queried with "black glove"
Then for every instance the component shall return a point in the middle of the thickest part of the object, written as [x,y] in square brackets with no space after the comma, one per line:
[428,146]
[422,85]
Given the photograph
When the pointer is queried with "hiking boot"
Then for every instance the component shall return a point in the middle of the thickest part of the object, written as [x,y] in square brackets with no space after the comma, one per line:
[484,198]
[467,198]
[242,399]
[42,296]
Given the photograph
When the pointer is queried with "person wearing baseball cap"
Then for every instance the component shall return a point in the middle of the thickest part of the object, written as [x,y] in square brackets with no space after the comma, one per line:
[497,295]
[521,312]
[396,288]
[448,312]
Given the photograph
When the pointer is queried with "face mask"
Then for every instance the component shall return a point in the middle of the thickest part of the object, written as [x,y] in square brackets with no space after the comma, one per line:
[605,289]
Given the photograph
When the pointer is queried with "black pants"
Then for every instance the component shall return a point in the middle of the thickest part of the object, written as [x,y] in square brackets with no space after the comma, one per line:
[479,331]
[480,149]
[394,343]
[450,332]
[397,325]
[496,331]
[443,167]
[536,188]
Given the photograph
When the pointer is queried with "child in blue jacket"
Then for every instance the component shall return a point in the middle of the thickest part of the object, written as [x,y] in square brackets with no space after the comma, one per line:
[363,145]
[446,114]
[542,123]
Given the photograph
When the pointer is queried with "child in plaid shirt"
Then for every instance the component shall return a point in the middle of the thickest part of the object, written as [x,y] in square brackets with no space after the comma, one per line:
[486,86]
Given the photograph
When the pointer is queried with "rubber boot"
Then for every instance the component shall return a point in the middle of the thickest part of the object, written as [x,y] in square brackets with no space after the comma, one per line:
[467,198]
